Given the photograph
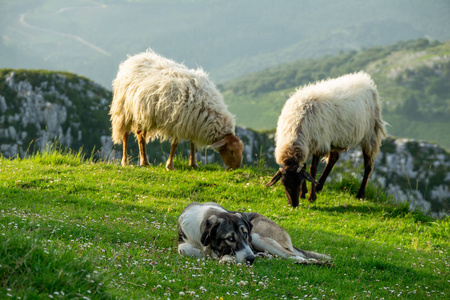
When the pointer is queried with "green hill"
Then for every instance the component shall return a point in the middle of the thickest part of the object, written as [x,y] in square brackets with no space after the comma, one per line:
[412,78]
[71,228]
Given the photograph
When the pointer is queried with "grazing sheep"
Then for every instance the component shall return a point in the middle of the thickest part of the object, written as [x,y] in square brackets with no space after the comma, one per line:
[157,97]
[323,119]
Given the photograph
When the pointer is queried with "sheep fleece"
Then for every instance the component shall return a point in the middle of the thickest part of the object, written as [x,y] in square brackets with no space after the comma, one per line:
[337,113]
[167,100]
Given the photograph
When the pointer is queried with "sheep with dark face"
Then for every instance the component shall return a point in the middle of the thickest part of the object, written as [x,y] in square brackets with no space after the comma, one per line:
[157,97]
[326,118]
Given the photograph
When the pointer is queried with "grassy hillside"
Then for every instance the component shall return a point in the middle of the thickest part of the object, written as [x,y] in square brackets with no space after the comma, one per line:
[71,228]
[412,78]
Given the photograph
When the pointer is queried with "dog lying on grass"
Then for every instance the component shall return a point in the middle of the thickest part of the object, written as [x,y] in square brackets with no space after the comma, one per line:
[208,229]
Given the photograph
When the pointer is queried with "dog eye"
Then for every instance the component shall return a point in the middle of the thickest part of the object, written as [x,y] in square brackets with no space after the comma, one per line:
[245,234]
[230,239]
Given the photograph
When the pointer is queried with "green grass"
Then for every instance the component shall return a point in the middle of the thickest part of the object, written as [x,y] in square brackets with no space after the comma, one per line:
[71,228]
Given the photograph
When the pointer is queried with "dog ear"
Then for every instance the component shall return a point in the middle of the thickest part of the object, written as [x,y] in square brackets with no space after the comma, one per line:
[248,224]
[247,221]
[275,178]
[209,227]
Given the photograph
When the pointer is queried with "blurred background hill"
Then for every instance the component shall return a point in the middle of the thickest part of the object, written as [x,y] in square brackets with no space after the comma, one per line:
[227,38]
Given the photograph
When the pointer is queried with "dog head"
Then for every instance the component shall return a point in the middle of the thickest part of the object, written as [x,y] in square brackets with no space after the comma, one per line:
[292,177]
[228,234]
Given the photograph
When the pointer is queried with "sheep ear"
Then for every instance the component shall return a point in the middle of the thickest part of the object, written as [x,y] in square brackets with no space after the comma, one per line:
[308,177]
[218,144]
[275,178]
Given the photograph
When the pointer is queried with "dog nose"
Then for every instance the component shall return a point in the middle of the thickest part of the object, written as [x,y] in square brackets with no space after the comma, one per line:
[250,259]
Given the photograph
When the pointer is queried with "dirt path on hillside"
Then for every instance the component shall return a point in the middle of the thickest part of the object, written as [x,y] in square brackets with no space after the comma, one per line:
[79,39]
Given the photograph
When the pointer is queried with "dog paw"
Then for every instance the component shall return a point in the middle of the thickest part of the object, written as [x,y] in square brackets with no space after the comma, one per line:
[263,255]
[227,259]
[305,261]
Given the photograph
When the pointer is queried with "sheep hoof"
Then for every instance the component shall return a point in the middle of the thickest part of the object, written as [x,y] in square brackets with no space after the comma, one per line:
[360,196]
[319,188]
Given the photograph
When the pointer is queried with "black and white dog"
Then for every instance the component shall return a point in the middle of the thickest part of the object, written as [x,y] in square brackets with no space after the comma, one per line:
[208,229]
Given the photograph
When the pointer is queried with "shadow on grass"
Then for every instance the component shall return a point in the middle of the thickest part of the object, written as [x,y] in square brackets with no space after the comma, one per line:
[387,211]
[348,208]
[84,216]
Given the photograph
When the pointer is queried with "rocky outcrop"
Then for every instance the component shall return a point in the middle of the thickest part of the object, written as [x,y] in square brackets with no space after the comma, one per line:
[39,107]
[410,171]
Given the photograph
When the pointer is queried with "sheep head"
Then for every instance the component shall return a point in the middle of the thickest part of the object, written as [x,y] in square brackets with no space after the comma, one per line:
[292,177]
[230,149]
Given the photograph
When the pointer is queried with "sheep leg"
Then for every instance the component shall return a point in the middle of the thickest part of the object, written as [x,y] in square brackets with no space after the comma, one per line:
[313,172]
[192,160]
[124,151]
[332,159]
[303,190]
[368,166]
[142,150]
[173,147]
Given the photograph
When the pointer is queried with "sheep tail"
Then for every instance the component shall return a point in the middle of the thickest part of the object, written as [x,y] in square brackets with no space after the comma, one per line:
[118,119]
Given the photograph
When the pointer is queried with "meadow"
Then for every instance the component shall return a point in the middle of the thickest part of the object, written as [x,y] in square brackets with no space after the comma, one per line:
[73,228]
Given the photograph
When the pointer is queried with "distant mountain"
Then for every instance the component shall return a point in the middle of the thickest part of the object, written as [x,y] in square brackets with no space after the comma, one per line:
[227,38]
[42,108]
[413,80]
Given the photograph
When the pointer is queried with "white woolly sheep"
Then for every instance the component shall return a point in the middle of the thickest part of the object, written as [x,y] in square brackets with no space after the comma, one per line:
[325,118]
[157,97]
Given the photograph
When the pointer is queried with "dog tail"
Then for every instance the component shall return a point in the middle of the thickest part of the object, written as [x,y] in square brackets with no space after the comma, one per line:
[310,254]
